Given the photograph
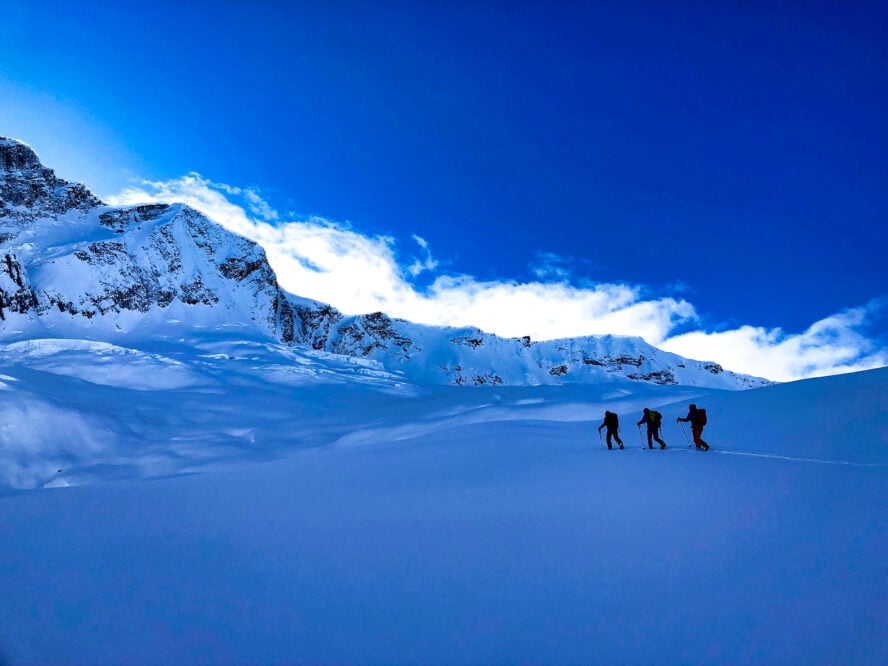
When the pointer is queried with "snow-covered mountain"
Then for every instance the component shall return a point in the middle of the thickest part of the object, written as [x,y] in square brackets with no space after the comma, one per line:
[74,268]
[392,520]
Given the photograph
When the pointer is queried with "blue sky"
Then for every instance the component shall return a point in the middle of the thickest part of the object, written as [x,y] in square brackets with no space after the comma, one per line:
[726,164]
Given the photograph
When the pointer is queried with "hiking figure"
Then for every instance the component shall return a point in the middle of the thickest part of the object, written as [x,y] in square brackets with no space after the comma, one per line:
[697,419]
[653,420]
[612,422]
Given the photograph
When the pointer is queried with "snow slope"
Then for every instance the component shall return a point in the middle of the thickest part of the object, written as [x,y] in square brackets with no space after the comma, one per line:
[439,525]
[196,467]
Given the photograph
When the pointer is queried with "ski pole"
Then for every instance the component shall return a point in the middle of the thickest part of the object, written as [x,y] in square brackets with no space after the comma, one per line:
[640,438]
[600,442]
[685,433]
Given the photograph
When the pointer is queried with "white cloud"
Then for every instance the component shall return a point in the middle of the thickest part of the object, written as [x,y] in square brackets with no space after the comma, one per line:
[331,262]
[828,347]
[258,206]
[550,266]
[426,263]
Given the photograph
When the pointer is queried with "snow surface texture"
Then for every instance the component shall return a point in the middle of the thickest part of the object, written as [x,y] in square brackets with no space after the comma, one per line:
[353,509]
[73,268]
[440,525]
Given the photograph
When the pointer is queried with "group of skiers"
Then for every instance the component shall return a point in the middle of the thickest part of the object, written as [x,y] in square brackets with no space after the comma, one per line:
[654,420]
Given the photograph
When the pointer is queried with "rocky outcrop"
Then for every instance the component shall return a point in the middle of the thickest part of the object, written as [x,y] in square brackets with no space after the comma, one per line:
[16,295]
[28,190]
[121,219]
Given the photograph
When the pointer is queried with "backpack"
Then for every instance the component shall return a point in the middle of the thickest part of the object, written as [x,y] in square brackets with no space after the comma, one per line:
[701,417]
[654,417]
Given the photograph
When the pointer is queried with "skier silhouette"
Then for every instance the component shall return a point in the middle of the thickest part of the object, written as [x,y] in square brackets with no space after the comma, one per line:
[697,422]
[653,420]
[612,422]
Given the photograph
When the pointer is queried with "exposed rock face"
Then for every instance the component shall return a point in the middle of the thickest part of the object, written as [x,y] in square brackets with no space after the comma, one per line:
[16,296]
[122,218]
[67,259]
[368,333]
[28,190]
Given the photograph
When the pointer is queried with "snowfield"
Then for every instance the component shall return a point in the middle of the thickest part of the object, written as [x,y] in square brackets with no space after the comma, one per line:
[342,515]
[199,468]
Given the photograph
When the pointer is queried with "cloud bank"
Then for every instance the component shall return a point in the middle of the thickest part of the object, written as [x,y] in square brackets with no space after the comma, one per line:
[335,263]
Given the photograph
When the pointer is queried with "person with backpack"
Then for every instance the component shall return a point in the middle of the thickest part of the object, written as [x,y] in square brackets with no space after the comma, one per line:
[654,420]
[697,419]
[612,423]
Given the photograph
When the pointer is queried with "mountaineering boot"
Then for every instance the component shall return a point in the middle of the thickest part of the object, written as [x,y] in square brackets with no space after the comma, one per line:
[663,445]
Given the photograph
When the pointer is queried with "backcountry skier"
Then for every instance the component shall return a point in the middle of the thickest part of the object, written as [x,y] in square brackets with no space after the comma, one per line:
[697,419]
[612,423]
[653,419]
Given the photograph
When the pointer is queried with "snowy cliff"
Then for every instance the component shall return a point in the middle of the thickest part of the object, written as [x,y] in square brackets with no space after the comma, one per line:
[71,267]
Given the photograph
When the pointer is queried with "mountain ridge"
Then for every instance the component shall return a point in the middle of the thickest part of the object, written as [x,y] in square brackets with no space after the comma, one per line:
[72,264]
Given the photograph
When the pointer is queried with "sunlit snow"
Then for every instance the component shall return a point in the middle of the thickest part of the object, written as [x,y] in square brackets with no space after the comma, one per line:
[345,516]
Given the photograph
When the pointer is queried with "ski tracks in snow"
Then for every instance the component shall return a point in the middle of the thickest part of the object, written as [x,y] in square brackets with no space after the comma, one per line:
[772,456]
[795,459]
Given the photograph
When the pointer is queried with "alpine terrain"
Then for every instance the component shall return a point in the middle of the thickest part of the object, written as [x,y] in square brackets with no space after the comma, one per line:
[73,268]
[198,467]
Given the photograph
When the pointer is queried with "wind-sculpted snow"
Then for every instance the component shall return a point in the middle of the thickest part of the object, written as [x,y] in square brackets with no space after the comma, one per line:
[79,411]
[172,407]
[72,267]
[102,363]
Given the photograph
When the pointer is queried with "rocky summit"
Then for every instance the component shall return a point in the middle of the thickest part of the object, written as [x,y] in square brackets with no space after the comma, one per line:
[72,267]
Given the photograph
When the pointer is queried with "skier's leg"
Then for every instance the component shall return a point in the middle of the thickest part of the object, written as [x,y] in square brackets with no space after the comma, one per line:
[698,438]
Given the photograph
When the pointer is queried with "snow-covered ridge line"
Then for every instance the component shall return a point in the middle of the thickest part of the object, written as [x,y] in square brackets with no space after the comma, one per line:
[72,267]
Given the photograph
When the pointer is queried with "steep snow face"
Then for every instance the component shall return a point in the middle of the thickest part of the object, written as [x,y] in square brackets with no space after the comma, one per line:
[71,267]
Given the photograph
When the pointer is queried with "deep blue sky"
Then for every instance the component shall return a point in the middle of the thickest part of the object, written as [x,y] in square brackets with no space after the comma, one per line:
[739,149]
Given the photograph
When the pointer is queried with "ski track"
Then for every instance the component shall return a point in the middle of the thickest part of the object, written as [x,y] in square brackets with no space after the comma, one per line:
[772,456]
[794,459]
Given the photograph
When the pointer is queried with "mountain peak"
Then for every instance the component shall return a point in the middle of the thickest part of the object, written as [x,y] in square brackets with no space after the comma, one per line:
[16,155]
[29,190]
